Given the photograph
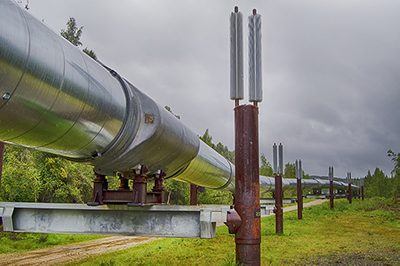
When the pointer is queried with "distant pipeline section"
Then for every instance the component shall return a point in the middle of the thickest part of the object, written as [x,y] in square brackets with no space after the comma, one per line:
[58,100]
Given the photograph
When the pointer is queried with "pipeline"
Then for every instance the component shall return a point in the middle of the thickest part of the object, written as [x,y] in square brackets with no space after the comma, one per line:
[58,100]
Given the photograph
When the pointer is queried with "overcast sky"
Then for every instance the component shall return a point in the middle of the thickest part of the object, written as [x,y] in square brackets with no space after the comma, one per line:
[330,70]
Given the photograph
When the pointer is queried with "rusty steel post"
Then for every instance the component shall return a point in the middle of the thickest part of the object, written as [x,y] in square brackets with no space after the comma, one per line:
[331,196]
[124,185]
[158,188]
[299,190]
[362,192]
[349,187]
[100,184]
[362,188]
[299,200]
[349,196]
[139,186]
[301,178]
[193,194]
[247,191]
[278,204]
[1,159]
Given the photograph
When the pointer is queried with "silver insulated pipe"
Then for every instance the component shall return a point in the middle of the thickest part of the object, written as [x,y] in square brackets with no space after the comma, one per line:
[56,99]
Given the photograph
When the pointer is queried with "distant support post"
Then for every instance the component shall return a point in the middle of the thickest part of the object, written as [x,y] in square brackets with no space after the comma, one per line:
[1,159]
[349,187]
[331,196]
[362,188]
[299,190]
[278,189]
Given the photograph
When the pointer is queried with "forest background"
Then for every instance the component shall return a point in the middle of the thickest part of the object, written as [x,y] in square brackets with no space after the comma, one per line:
[34,176]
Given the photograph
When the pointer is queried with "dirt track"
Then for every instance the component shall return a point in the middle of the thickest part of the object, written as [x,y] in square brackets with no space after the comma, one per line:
[79,251]
[305,205]
[73,252]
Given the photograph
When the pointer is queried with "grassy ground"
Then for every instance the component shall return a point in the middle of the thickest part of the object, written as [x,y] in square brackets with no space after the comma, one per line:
[20,242]
[363,233]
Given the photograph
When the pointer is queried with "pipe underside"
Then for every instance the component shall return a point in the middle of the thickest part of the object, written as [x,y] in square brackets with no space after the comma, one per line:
[57,99]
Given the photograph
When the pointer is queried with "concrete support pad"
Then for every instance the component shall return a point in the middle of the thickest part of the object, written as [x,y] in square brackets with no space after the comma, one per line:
[156,220]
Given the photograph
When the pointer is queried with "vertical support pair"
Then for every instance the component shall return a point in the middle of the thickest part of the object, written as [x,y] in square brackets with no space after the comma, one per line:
[247,180]
[278,187]
[138,196]
[331,196]
[299,177]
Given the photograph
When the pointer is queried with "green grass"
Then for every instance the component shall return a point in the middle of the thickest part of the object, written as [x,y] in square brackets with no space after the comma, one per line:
[363,226]
[20,242]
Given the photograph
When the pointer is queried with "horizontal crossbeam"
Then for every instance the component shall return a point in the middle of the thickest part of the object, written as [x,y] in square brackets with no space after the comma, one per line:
[156,220]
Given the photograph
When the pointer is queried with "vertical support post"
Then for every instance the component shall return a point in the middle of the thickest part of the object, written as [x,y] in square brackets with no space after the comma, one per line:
[1,159]
[278,191]
[362,192]
[247,183]
[159,186]
[301,178]
[100,184]
[124,185]
[278,204]
[193,194]
[331,196]
[362,188]
[139,186]
[299,191]
[349,189]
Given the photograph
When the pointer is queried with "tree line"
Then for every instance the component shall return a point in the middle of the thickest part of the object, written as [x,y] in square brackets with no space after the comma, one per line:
[379,184]
[34,176]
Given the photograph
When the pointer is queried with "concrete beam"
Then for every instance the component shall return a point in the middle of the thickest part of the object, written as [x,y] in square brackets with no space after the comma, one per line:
[156,220]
